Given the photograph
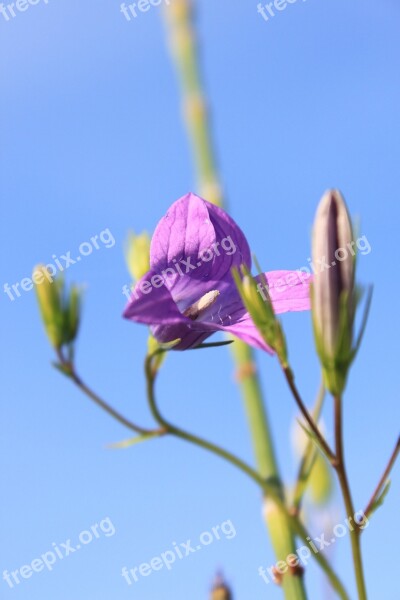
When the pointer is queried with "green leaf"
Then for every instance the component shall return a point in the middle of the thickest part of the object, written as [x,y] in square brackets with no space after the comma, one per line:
[312,436]
[320,481]
[381,498]
[364,321]
[133,441]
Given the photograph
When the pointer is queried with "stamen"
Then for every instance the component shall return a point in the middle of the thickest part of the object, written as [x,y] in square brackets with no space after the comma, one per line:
[199,307]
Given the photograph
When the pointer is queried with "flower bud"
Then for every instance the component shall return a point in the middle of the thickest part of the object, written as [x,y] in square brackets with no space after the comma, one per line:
[72,315]
[138,255]
[60,310]
[220,590]
[49,300]
[333,294]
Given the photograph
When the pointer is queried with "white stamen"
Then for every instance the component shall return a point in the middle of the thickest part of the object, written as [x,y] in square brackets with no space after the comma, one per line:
[201,305]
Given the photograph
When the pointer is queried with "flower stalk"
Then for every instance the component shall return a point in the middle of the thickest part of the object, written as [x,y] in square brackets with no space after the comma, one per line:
[355,533]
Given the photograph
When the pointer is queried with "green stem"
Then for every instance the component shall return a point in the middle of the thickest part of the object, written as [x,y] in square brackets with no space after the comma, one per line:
[69,370]
[309,419]
[348,501]
[279,528]
[107,408]
[180,21]
[268,487]
[249,385]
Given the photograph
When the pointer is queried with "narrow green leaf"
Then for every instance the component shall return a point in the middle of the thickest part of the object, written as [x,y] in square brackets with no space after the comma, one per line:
[133,441]
[381,498]
[364,321]
[311,435]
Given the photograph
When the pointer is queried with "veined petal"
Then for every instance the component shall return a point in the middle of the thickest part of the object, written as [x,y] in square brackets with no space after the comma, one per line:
[198,244]
[234,249]
[184,232]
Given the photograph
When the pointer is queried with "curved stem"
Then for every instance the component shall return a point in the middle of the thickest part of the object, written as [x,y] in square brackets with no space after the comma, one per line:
[344,484]
[69,370]
[268,488]
[107,408]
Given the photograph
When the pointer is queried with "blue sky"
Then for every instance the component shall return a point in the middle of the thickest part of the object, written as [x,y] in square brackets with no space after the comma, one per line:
[92,139]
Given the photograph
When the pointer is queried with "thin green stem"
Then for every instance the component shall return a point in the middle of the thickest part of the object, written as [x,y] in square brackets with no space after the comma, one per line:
[69,370]
[107,408]
[348,501]
[268,488]
[309,420]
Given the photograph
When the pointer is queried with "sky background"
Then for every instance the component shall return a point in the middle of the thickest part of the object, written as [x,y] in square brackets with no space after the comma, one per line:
[92,138]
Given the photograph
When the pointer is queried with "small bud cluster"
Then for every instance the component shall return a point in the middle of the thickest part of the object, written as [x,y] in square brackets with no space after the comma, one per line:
[60,309]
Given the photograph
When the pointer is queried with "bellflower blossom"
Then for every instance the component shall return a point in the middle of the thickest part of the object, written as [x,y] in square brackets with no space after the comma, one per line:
[189,292]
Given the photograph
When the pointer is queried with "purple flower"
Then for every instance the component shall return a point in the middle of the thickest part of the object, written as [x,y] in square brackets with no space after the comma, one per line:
[189,292]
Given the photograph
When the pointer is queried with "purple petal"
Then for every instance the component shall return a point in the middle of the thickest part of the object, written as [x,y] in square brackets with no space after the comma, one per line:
[155,306]
[190,338]
[247,332]
[229,315]
[197,244]
[193,251]
[288,290]
[152,305]
[185,231]
[226,229]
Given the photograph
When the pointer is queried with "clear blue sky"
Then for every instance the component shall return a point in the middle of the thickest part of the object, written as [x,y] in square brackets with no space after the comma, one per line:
[92,139]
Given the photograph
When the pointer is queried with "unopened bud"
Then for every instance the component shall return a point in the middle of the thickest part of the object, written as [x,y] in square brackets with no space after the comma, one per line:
[220,590]
[48,296]
[333,295]
[60,310]
[72,314]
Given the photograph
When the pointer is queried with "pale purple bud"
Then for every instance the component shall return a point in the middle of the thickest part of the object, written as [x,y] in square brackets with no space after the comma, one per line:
[334,262]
